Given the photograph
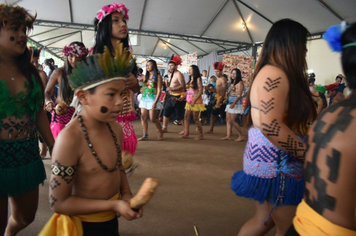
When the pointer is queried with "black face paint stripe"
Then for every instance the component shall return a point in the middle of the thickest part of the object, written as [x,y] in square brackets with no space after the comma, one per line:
[103,109]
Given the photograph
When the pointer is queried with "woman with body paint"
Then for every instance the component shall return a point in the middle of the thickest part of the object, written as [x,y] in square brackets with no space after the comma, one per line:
[21,118]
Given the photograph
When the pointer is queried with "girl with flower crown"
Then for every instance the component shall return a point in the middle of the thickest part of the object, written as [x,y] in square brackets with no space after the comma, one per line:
[76,51]
[21,118]
[111,26]
[152,87]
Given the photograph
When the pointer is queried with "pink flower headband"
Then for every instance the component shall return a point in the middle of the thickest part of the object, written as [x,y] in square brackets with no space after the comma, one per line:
[106,10]
[76,50]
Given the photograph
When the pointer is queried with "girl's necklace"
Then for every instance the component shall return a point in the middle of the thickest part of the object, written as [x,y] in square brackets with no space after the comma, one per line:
[94,152]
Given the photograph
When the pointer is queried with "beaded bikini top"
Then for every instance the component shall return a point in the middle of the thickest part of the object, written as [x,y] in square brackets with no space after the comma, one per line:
[24,103]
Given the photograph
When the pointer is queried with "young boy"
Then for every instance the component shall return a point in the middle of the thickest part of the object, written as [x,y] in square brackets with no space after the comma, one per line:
[87,174]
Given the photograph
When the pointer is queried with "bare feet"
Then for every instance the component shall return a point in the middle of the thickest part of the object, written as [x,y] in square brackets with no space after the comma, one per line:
[184,136]
[200,137]
[160,137]
[181,132]
[226,138]
[209,132]
[164,130]
[239,139]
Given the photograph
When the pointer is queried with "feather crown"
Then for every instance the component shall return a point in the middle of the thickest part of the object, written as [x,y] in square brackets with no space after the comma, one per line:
[10,14]
[218,65]
[101,68]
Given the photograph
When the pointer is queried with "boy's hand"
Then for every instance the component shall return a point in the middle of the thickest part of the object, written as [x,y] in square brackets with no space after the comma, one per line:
[124,209]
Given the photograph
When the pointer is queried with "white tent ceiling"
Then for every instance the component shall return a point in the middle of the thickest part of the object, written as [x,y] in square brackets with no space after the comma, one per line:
[184,26]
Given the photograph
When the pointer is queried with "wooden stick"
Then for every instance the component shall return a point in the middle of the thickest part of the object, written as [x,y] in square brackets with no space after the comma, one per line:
[196,231]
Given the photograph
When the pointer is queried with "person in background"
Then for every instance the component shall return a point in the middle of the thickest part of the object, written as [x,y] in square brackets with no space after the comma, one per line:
[334,93]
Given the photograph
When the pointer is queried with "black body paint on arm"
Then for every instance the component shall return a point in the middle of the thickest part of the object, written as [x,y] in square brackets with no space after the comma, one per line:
[267,106]
[52,200]
[271,84]
[271,129]
[66,173]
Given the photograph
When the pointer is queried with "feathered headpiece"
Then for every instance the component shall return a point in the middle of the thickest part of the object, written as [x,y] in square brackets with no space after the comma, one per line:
[100,69]
[333,36]
[35,52]
[16,15]
[218,65]
[320,88]
[115,7]
[176,60]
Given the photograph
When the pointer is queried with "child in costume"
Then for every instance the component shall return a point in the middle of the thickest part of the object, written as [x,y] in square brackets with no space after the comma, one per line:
[150,103]
[194,102]
[280,108]
[111,26]
[329,197]
[234,105]
[88,178]
[21,118]
[75,52]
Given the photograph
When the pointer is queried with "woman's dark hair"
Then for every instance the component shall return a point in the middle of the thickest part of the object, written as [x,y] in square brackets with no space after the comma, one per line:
[238,76]
[285,48]
[103,35]
[66,90]
[196,75]
[48,63]
[322,97]
[348,58]
[155,72]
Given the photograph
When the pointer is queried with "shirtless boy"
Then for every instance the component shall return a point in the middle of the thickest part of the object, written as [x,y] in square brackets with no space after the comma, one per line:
[87,173]
[175,92]
[221,86]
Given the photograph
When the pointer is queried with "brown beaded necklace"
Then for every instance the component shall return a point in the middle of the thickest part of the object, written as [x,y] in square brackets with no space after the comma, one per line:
[94,152]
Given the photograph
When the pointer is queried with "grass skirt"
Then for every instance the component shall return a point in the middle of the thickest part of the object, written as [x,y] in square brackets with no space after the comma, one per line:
[21,167]
[129,143]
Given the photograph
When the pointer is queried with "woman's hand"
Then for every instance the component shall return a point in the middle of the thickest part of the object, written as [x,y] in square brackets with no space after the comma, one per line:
[232,105]
[131,81]
[154,106]
[49,106]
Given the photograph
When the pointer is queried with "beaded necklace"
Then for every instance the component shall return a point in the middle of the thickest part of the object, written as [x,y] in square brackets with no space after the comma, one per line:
[94,152]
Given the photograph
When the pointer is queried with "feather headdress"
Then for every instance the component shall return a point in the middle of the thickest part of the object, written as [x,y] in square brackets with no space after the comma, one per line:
[100,69]
[10,14]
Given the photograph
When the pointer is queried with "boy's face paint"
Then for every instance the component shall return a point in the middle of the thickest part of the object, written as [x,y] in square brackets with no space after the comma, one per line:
[106,103]
[103,109]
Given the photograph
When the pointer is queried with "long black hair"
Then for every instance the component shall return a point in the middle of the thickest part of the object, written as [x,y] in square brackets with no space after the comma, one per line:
[103,35]
[285,48]
[348,58]
[66,90]
[238,76]
[155,72]
[196,75]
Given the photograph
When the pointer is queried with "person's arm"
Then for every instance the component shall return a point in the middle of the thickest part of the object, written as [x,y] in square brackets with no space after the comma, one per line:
[44,129]
[159,88]
[55,77]
[199,93]
[44,78]
[273,95]
[65,158]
